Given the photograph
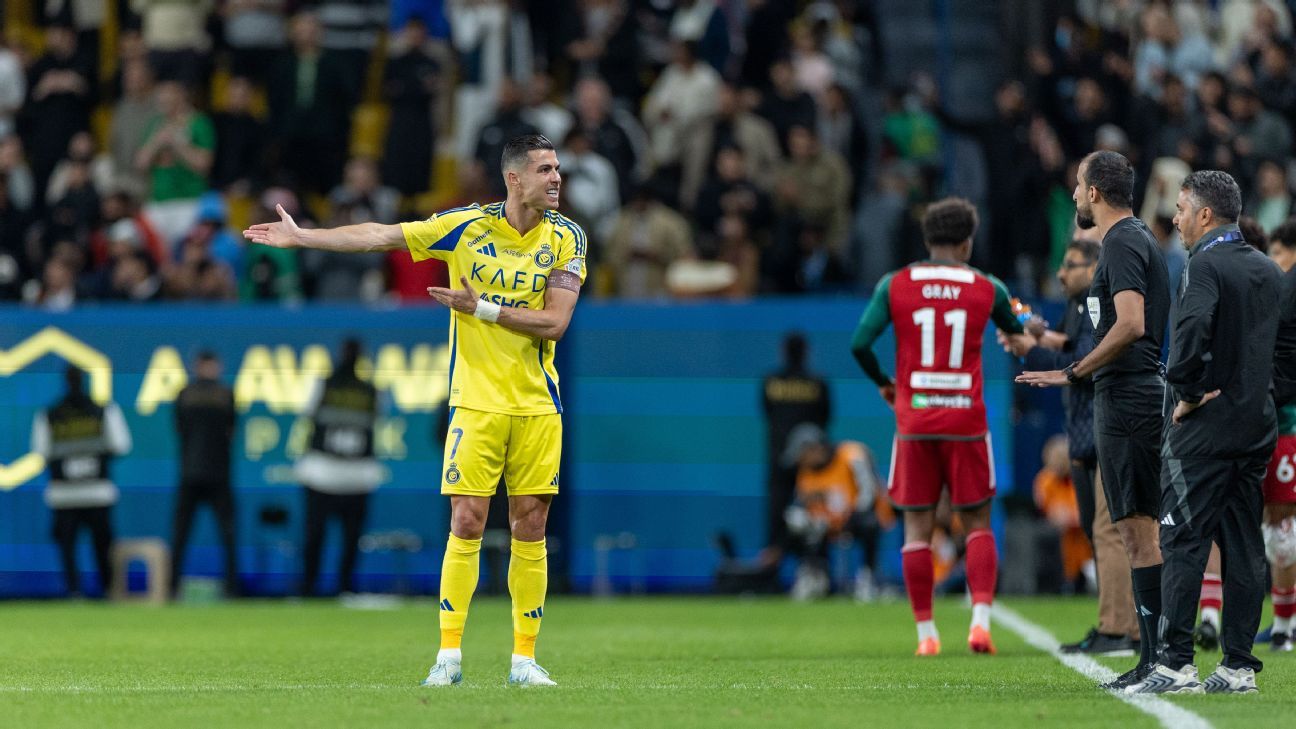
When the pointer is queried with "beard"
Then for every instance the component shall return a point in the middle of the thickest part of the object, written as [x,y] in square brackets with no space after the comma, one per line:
[1085,220]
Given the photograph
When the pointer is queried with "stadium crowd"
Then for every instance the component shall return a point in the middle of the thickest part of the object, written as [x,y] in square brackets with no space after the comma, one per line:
[136,136]
[709,147]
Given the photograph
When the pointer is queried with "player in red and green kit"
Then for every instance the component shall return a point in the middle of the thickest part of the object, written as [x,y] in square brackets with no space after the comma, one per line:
[939,309]
[1280,479]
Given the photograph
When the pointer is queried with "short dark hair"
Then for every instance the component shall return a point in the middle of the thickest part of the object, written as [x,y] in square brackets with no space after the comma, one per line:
[1112,175]
[1285,234]
[518,148]
[1215,190]
[1087,248]
[206,355]
[949,222]
[1253,233]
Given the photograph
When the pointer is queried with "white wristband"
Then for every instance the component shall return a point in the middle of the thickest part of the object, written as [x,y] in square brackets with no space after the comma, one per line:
[487,310]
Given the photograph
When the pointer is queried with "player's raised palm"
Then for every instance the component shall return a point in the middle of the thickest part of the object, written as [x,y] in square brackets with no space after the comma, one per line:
[281,234]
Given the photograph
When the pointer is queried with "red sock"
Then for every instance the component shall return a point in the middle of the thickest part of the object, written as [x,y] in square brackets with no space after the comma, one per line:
[982,566]
[1284,602]
[919,577]
[1212,591]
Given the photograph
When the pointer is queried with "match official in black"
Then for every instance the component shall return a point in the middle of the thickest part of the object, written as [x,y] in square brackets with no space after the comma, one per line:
[1221,435]
[1129,306]
[205,421]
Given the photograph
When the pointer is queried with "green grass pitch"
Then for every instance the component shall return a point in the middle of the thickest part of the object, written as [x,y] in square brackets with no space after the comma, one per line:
[630,662]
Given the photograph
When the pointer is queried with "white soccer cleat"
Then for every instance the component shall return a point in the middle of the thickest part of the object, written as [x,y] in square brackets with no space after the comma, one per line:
[447,672]
[1163,679]
[1227,680]
[526,672]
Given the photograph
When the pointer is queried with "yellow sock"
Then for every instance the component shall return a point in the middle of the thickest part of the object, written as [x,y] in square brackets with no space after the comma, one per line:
[528,579]
[459,571]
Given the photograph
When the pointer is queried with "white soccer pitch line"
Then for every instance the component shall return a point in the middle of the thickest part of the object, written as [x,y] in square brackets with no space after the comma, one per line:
[1170,716]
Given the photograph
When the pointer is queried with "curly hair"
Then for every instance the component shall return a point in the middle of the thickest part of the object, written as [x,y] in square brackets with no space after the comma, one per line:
[949,222]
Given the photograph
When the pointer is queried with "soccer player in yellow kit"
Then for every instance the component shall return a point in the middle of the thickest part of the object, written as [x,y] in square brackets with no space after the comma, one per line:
[520,266]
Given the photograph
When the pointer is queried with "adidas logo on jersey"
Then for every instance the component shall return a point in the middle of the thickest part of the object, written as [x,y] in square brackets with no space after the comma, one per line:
[488,250]
[1168,520]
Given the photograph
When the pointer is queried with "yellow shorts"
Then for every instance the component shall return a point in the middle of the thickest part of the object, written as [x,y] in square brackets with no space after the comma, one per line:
[483,447]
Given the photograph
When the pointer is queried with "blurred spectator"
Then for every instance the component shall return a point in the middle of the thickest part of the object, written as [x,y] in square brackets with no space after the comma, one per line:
[818,268]
[339,469]
[1275,78]
[846,33]
[702,24]
[75,212]
[59,98]
[131,117]
[838,497]
[272,274]
[205,421]
[362,198]
[810,65]
[57,289]
[541,112]
[764,38]
[1167,48]
[136,230]
[1088,111]
[646,238]
[606,46]
[506,124]
[813,185]
[1055,497]
[256,32]
[1271,203]
[736,247]
[842,131]
[19,180]
[734,126]
[411,85]
[135,280]
[681,100]
[1252,134]
[592,197]
[13,88]
[731,191]
[785,105]
[78,439]
[1174,123]
[351,30]
[175,34]
[209,257]
[81,151]
[241,140]
[616,133]
[177,155]
[310,95]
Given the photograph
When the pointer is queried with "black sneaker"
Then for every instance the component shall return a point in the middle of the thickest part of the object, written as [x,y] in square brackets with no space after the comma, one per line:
[1101,644]
[1129,678]
[1281,642]
[1206,636]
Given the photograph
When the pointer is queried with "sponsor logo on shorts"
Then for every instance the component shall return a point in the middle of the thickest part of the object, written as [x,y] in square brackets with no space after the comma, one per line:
[922,402]
[453,475]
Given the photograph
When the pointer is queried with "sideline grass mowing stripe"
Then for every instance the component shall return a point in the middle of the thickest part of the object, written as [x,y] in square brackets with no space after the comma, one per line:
[1169,715]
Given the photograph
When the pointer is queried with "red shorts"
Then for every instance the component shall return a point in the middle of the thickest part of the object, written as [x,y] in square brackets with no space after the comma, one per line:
[1280,476]
[921,468]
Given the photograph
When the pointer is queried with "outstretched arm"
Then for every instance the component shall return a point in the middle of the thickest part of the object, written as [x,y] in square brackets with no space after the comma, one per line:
[362,238]
[561,293]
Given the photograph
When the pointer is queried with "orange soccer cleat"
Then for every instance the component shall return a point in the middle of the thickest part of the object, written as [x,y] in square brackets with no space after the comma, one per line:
[928,647]
[979,640]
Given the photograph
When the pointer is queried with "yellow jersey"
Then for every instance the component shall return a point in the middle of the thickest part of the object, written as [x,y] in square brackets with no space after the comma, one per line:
[493,368]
